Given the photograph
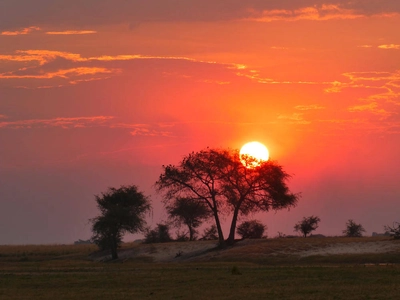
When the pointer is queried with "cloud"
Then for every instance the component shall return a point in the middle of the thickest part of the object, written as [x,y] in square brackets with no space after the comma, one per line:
[371,107]
[81,14]
[3,117]
[390,46]
[66,123]
[144,129]
[20,32]
[74,68]
[309,107]
[322,13]
[295,118]
[66,73]
[71,32]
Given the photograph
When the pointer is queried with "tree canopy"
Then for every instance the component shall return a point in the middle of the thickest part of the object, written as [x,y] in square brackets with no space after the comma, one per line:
[219,179]
[189,212]
[307,225]
[121,210]
[353,229]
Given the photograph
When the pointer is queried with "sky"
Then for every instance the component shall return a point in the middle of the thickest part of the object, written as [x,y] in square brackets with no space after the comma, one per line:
[102,93]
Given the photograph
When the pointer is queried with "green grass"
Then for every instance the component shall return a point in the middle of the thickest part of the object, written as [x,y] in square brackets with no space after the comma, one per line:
[65,272]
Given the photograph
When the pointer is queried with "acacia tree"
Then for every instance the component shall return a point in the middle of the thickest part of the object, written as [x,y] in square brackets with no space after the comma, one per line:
[353,229]
[307,225]
[121,210]
[188,212]
[219,179]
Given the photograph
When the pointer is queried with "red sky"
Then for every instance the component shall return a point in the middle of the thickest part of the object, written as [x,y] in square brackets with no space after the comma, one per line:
[101,93]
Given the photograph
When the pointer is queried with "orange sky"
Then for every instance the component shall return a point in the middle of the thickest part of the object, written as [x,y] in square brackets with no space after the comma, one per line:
[102,93]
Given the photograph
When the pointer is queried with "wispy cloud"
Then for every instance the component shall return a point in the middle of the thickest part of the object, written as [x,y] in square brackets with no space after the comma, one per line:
[65,73]
[389,46]
[371,107]
[71,32]
[295,118]
[20,32]
[322,13]
[144,129]
[309,107]
[66,123]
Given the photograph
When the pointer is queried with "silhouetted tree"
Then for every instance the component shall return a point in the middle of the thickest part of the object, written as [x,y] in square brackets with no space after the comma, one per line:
[189,212]
[307,225]
[353,229]
[220,180]
[121,210]
[210,233]
[251,229]
[158,235]
[394,230]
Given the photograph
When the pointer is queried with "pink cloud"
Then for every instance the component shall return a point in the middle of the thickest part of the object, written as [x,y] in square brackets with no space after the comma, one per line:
[20,32]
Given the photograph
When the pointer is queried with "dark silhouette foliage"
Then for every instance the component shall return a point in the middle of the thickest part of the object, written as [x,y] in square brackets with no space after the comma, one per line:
[221,181]
[189,212]
[160,234]
[210,233]
[353,229]
[394,230]
[121,210]
[251,229]
[307,225]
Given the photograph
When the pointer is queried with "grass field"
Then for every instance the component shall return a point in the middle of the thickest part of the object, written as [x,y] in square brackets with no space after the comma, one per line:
[66,272]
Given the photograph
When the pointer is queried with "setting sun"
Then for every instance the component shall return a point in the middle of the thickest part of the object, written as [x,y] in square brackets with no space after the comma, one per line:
[254,150]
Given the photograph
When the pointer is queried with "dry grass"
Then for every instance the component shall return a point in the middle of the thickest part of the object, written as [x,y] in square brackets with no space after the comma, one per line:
[263,269]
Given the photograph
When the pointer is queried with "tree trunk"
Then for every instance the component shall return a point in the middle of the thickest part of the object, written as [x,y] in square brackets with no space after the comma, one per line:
[221,240]
[114,246]
[190,233]
[231,237]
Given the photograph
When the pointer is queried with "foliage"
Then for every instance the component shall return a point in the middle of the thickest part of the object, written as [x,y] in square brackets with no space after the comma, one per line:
[218,179]
[353,229]
[251,229]
[210,233]
[160,234]
[189,212]
[394,231]
[121,210]
[307,225]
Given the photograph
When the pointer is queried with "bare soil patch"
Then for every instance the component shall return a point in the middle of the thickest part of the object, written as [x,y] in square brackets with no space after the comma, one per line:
[253,250]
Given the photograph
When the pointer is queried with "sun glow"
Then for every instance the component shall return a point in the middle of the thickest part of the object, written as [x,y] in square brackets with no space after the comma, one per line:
[253,154]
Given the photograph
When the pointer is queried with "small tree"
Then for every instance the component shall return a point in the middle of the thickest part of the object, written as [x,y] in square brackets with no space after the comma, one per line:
[158,235]
[121,210]
[251,229]
[307,225]
[394,231]
[189,212]
[353,229]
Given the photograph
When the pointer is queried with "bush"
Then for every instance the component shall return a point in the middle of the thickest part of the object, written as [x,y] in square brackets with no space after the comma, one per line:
[158,235]
[210,233]
[394,231]
[251,229]
[353,229]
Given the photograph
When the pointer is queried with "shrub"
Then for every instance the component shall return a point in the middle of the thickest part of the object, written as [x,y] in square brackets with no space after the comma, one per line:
[251,229]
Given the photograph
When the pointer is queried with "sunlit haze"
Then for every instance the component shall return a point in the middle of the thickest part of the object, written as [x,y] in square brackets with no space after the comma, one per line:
[98,94]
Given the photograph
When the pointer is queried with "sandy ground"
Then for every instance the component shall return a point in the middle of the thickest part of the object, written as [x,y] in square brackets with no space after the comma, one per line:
[353,248]
[200,250]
